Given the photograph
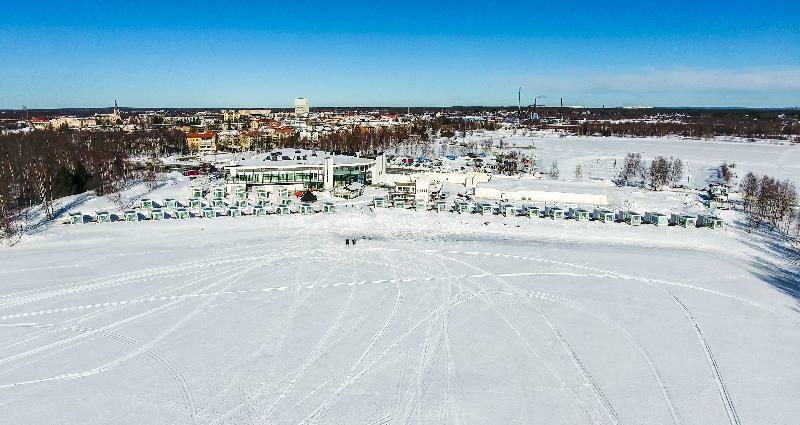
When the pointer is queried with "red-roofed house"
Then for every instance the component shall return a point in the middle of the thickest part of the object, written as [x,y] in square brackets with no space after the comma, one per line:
[40,123]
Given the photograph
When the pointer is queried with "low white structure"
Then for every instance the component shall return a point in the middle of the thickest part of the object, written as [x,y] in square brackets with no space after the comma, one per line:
[468,180]
[528,189]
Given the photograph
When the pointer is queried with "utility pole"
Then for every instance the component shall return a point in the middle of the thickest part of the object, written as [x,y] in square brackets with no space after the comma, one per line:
[519,104]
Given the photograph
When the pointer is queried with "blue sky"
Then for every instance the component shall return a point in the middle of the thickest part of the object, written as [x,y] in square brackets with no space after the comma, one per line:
[238,54]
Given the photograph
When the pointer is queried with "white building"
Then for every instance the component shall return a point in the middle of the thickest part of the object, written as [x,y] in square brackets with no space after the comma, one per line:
[299,169]
[301,108]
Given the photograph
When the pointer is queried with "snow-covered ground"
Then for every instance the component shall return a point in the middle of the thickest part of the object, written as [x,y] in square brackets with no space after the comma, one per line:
[701,157]
[433,318]
[430,318]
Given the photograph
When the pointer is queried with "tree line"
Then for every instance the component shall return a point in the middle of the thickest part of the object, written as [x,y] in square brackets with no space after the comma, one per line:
[364,140]
[703,129]
[768,200]
[659,173]
[39,167]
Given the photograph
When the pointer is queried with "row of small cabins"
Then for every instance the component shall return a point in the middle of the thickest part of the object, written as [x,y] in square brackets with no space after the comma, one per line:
[205,211]
[148,209]
[210,204]
[557,213]
[213,202]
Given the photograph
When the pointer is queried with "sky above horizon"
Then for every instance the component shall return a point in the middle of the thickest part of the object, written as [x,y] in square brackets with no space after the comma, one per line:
[235,54]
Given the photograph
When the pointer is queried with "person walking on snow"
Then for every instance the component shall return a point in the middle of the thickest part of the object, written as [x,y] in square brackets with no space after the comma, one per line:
[347,242]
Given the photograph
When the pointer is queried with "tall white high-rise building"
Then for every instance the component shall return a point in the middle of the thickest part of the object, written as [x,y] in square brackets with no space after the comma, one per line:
[301,107]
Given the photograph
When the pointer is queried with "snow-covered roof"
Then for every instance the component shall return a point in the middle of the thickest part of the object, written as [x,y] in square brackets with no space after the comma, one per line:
[354,186]
[525,184]
[292,158]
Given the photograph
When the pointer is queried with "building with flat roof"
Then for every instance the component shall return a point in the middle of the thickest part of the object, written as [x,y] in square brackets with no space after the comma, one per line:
[304,169]
[301,107]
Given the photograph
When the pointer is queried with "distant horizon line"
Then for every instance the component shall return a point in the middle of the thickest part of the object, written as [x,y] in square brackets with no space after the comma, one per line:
[779,108]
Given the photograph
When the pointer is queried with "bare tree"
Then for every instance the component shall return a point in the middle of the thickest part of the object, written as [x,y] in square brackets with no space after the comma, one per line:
[749,189]
[726,172]
[676,172]
[578,172]
[632,168]
[660,170]
[554,172]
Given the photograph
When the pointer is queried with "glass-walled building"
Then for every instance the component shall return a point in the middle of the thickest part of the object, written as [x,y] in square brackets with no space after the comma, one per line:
[309,169]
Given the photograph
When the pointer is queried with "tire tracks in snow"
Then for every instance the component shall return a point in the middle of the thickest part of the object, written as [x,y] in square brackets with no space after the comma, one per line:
[190,268]
[608,273]
[300,286]
[261,392]
[597,392]
[730,410]
[139,347]
[351,379]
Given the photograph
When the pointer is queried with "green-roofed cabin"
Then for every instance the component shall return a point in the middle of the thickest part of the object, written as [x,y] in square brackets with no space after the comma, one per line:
[262,194]
[218,203]
[378,202]
[209,213]
[399,203]
[234,211]
[684,220]
[259,210]
[182,213]
[197,192]
[76,218]
[579,214]
[219,192]
[632,218]
[329,208]
[441,206]
[241,194]
[103,217]
[603,216]
[170,203]
[657,219]
[157,214]
[131,216]
[306,209]
[712,222]
[462,207]
[508,210]
[147,204]
[555,213]
[486,208]
[421,205]
[282,209]
[532,211]
[241,203]
[195,203]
